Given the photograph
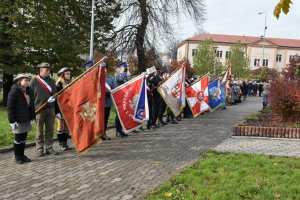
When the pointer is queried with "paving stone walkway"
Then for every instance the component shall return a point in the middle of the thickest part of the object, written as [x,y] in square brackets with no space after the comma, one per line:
[123,168]
[266,146]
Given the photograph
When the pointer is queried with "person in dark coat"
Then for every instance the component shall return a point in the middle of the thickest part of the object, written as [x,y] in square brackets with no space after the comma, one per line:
[21,114]
[260,88]
[64,78]
[109,85]
[121,78]
[245,90]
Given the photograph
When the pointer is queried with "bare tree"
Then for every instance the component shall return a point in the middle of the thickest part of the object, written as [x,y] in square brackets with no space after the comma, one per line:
[141,22]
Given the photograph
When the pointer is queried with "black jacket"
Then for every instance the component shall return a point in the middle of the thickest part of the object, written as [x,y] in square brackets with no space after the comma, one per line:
[18,110]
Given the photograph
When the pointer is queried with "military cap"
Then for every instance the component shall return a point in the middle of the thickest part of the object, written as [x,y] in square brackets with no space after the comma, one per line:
[122,64]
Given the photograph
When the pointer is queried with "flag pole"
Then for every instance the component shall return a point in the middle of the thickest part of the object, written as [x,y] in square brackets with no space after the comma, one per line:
[72,83]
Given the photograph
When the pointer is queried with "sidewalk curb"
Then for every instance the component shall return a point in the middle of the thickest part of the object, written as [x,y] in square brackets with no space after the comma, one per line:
[264,138]
[31,144]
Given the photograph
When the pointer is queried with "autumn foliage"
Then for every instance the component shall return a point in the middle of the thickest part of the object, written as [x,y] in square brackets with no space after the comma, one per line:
[285,93]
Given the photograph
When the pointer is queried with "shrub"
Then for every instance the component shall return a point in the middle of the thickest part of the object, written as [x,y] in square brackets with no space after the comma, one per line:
[285,93]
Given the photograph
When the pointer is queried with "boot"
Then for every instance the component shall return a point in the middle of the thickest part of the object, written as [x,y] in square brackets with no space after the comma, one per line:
[264,105]
[17,150]
[60,137]
[65,141]
[23,157]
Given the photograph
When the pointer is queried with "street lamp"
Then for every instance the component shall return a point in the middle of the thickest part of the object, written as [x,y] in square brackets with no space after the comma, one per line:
[215,51]
[92,32]
[264,39]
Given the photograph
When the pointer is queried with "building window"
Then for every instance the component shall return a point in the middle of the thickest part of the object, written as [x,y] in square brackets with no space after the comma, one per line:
[219,54]
[194,52]
[278,58]
[257,63]
[227,54]
[265,62]
[293,57]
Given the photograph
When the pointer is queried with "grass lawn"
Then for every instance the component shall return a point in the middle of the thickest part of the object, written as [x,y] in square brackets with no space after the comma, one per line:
[234,176]
[6,137]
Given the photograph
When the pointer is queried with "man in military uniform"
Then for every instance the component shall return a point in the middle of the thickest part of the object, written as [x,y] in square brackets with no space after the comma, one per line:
[109,85]
[43,87]
[121,78]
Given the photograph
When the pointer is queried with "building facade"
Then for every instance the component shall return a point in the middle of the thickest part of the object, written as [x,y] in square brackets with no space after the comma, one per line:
[274,53]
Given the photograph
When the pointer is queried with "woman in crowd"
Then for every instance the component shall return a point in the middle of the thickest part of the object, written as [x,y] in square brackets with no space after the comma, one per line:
[21,114]
[64,78]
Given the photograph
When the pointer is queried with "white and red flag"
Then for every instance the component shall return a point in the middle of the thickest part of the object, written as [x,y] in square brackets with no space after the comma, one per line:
[172,90]
[131,103]
[197,96]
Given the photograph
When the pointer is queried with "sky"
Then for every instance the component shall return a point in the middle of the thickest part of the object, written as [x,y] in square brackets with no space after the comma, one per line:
[240,17]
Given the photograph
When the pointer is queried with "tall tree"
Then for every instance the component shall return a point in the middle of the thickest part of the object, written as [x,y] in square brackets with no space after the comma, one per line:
[239,61]
[142,22]
[34,31]
[205,60]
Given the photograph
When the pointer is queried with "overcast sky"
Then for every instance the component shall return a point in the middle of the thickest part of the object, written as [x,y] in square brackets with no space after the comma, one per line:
[240,17]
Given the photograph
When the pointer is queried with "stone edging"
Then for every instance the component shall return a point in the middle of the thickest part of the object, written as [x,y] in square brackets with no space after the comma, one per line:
[273,132]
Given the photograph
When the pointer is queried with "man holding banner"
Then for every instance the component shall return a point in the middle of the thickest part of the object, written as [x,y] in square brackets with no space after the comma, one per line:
[121,78]
[109,85]
[43,87]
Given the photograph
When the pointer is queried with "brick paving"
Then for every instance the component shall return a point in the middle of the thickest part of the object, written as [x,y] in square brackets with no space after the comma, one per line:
[123,168]
[266,146]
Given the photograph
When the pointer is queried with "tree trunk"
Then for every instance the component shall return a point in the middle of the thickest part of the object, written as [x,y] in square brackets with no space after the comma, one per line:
[140,37]
[7,83]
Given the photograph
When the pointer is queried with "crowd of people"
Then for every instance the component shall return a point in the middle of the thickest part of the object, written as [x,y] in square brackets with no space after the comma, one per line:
[28,95]
[239,90]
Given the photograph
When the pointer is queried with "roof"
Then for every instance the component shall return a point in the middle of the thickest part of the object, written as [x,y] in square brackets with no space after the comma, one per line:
[244,39]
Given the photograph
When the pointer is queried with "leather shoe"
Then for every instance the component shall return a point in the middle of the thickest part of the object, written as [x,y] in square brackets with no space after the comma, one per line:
[173,122]
[121,134]
[51,151]
[163,123]
[105,137]
[25,159]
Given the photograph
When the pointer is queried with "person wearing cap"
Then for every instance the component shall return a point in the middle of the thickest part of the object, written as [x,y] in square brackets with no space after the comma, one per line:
[121,78]
[109,85]
[150,88]
[64,78]
[21,114]
[44,88]
[162,104]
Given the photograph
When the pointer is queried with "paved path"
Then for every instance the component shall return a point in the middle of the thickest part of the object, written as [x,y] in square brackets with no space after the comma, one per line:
[126,168]
[266,146]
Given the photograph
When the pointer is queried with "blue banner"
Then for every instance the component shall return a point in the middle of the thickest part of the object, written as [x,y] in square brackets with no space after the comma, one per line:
[214,94]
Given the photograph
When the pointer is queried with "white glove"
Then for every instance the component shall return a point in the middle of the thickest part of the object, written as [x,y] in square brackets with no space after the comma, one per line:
[14,125]
[51,99]
[32,122]
[58,116]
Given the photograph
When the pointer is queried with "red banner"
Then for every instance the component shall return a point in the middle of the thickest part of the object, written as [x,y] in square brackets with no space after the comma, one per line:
[125,98]
[82,107]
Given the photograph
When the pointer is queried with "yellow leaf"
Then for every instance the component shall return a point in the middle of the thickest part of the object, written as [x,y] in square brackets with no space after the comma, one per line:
[277,196]
[283,5]
[168,194]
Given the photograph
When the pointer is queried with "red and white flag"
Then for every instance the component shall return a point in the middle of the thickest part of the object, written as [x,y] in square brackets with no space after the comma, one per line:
[131,103]
[197,96]
[172,90]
